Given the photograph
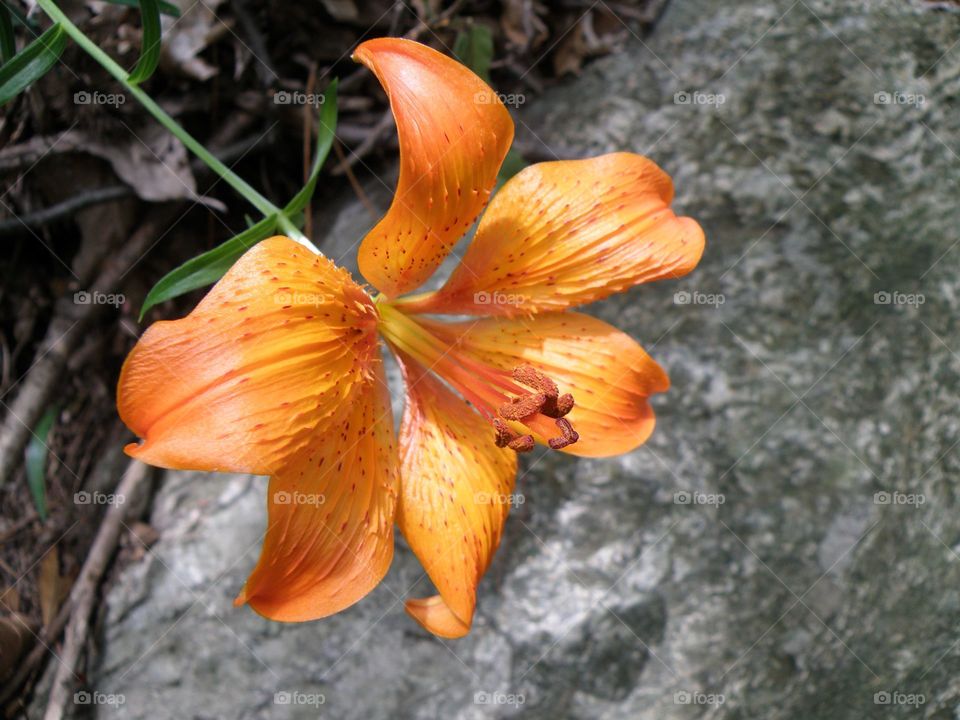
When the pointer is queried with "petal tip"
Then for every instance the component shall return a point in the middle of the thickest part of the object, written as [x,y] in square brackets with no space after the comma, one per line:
[435,616]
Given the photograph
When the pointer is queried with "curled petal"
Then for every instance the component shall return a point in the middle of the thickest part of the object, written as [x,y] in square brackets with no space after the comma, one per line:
[561,234]
[242,383]
[329,538]
[454,133]
[608,374]
[455,493]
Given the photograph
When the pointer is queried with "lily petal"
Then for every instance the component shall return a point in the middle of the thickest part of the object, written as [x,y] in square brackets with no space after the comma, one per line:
[329,539]
[243,382]
[561,234]
[454,497]
[454,133]
[609,375]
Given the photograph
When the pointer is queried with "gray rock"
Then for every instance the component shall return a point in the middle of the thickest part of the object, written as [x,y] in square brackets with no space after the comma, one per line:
[805,595]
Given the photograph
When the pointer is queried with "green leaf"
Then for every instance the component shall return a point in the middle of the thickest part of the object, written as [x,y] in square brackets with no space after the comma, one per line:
[326,128]
[512,164]
[8,46]
[36,457]
[474,48]
[31,63]
[209,267]
[150,43]
[165,7]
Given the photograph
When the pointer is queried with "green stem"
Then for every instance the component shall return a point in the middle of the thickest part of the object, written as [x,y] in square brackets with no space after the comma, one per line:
[236,182]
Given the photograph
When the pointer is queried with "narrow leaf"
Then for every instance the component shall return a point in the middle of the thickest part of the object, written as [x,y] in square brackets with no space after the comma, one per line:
[8,46]
[31,63]
[326,128]
[36,462]
[474,48]
[165,7]
[209,267]
[149,44]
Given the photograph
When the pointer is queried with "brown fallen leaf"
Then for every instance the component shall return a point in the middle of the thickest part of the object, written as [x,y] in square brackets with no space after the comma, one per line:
[49,586]
[15,640]
[9,600]
[185,37]
[149,159]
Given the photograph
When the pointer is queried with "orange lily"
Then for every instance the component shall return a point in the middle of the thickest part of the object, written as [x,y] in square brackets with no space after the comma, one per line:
[278,370]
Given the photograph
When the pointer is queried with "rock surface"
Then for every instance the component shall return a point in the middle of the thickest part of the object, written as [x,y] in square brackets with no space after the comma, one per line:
[798,395]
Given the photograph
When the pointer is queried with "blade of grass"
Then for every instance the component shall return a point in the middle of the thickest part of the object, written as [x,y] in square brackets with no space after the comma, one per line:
[165,7]
[326,129]
[149,44]
[31,63]
[36,462]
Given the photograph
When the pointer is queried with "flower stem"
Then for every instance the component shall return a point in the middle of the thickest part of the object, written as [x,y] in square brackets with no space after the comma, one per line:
[235,181]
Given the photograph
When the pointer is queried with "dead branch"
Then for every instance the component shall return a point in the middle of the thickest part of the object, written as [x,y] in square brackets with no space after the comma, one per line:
[85,589]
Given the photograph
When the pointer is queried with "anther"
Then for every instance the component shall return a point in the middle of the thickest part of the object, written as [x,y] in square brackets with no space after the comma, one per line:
[568,435]
[504,434]
[523,406]
[522,444]
[558,407]
[506,437]
[533,378]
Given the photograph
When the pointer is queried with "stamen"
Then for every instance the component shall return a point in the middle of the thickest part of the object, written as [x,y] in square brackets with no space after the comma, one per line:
[522,444]
[522,407]
[504,434]
[506,437]
[531,377]
[523,395]
[569,435]
[558,407]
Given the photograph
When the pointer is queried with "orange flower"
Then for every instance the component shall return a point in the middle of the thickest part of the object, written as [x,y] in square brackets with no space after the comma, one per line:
[278,369]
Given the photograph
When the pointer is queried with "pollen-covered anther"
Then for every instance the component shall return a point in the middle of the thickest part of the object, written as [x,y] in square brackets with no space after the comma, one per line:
[568,435]
[523,406]
[506,437]
[522,444]
[504,433]
[558,407]
[533,378]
